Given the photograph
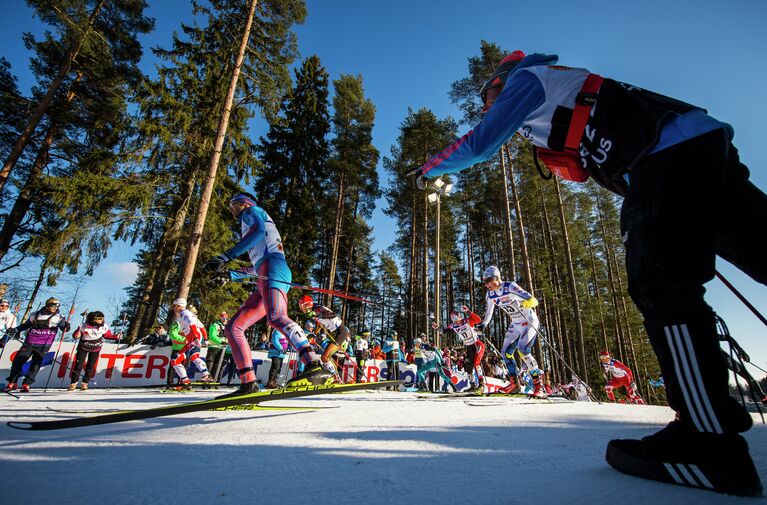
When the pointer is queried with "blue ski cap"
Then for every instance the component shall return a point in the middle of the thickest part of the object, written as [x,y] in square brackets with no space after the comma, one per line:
[245,198]
[490,272]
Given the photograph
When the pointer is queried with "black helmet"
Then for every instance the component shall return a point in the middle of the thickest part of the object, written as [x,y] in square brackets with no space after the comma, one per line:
[92,316]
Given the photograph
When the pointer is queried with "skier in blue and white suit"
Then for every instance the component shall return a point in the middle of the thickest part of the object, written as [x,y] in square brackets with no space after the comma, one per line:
[261,240]
[688,199]
[523,330]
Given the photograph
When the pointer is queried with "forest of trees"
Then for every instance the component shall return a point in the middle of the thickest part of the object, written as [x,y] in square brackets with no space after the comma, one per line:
[100,152]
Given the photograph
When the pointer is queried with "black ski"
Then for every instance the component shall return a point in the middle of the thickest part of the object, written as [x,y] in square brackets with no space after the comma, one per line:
[216,403]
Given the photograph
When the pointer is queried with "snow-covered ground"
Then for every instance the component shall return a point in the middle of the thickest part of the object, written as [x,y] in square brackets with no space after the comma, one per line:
[375,447]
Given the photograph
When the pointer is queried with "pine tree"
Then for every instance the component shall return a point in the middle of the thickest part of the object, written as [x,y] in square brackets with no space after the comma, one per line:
[294,154]
[88,31]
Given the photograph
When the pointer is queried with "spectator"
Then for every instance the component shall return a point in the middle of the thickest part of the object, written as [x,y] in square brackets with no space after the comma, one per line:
[391,348]
[7,320]
[362,353]
[216,346]
[277,350]
[263,342]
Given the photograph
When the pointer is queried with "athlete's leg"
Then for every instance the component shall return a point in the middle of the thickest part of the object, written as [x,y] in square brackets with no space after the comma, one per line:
[247,315]
[479,353]
[509,347]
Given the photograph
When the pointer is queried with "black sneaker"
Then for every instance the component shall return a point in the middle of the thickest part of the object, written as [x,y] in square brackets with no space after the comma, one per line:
[314,375]
[680,455]
[245,389]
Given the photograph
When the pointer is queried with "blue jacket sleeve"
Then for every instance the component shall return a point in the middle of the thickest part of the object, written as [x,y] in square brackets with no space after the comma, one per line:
[522,94]
[252,237]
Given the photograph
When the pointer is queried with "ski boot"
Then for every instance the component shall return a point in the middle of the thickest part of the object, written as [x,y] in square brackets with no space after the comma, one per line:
[12,386]
[512,388]
[245,388]
[184,385]
[538,389]
[314,375]
[206,378]
[272,384]
[24,388]
[678,454]
[84,386]
[72,386]
[480,389]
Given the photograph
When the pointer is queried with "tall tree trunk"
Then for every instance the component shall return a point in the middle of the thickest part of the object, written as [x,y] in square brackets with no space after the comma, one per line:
[38,283]
[45,102]
[520,225]
[598,295]
[350,260]
[411,274]
[507,230]
[572,282]
[336,236]
[167,252]
[26,194]
[470,263]
[193,247]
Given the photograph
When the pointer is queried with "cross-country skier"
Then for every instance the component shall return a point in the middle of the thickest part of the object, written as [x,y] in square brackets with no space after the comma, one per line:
[261,240]
[431,362]
[7,320]
[41,327]
[327,319]
[618,375]
[523,331]
[194,332]
[177,342]
[91,335]
[687,196]
[462,323]
[578,389]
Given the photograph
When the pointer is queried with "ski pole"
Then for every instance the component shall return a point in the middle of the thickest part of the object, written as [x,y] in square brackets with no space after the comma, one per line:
[741,298]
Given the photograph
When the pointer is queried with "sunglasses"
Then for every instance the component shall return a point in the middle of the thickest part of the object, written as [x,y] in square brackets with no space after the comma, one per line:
[496,82]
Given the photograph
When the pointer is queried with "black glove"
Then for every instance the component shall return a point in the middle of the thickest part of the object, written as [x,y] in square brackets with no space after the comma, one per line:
[216,264]
[11,333]
[67,327]
[479,327]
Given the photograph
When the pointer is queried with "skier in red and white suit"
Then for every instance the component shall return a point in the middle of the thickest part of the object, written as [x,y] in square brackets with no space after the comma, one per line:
[619,375]
[462,323]
[194,332]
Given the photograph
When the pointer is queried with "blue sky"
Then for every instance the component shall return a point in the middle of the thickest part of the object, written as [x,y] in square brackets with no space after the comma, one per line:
[709,53]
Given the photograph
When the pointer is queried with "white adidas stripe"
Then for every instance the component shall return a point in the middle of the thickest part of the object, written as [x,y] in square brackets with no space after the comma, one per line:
[680,380]
[689,382]
[700,476]
[686,475]
[674,475]
[699,380]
